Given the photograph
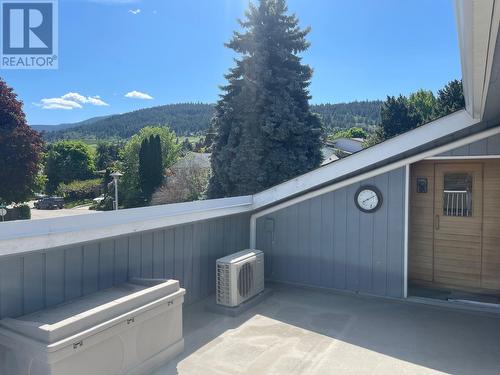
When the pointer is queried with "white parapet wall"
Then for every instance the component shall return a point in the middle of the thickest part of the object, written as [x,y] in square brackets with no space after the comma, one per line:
[31,235]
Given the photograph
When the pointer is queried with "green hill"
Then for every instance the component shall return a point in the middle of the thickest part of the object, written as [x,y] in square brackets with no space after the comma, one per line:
[184,119]
[363,114]
[194,118]
[51,128]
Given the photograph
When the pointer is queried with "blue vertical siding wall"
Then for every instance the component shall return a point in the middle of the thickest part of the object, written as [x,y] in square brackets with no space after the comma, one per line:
[327,241]
[488,146]
[187,253]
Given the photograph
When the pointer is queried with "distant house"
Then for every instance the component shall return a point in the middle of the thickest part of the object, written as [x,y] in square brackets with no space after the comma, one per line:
[346,146]
[330,159]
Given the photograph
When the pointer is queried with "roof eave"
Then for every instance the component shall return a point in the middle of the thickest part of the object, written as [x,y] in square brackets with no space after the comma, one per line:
[477,26]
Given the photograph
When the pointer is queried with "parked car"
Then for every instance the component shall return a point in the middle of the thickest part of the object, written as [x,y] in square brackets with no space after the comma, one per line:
[49,203]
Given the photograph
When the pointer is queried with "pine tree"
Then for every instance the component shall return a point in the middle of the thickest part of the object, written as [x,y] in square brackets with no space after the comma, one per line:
[450,98]
[266,133]
[20,149]
[398,116]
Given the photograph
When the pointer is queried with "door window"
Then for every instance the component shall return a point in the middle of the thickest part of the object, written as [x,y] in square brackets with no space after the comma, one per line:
[457,194]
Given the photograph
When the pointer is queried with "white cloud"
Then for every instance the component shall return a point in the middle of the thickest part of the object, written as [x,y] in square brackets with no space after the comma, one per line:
[138,95]
[71,100]
[134,12]
[95,100]
[58,103]
[76,97]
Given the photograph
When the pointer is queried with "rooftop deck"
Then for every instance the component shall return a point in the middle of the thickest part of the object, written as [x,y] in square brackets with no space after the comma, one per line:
[304,331]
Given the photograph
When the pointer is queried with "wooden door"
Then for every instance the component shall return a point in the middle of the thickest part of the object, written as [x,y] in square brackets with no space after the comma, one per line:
[458,218]
[490,275]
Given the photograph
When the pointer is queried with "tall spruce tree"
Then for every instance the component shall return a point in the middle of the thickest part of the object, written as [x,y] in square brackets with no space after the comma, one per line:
[266,132]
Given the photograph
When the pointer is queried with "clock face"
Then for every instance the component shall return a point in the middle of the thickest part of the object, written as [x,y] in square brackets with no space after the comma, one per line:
[368,199]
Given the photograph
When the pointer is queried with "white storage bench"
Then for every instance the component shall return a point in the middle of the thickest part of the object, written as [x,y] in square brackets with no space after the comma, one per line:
[127,329]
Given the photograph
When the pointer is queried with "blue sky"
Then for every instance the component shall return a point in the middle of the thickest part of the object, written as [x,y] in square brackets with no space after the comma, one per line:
[172,51]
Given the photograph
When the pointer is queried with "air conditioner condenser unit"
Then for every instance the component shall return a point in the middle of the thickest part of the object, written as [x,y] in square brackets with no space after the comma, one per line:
[240,276]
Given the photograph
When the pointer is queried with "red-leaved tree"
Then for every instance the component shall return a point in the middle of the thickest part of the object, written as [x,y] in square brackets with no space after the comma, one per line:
[20,149]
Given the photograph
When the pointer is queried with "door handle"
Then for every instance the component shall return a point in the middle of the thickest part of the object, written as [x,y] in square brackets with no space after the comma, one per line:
[436,222]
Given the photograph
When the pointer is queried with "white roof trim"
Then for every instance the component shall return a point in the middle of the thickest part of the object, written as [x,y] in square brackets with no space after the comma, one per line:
[30,235]
[417,137]
[477,26]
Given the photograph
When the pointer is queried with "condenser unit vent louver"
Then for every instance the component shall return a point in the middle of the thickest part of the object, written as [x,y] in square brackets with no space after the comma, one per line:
[240,276]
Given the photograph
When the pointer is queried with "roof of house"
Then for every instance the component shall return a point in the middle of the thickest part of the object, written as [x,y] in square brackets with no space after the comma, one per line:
[348,145]
[330,159]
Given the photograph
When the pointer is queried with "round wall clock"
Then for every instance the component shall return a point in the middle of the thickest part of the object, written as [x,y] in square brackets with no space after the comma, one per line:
[368,198]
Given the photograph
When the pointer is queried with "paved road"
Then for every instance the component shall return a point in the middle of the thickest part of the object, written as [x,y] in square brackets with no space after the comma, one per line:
[47,214]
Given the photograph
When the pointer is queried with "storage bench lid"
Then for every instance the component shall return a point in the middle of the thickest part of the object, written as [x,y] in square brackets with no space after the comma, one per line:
[72,317]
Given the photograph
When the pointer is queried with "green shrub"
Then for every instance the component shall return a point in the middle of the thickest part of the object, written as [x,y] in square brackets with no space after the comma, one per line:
[24,211]
[355,132]
[18,212]
[105,205]
[78,190]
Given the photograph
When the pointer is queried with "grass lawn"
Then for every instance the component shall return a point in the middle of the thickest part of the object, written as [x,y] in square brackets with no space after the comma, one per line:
[192,138]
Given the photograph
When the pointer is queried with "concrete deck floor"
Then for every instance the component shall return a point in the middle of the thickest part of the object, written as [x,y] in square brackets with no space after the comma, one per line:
[303,331]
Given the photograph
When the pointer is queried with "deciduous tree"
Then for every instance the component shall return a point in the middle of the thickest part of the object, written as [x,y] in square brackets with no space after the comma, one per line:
[68,161]
[107,153]
[20,149]
[354,132]
[424,103]
[186,180]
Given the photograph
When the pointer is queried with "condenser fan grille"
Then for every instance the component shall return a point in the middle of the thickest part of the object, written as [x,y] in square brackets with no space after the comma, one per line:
[240,276]
[245,280]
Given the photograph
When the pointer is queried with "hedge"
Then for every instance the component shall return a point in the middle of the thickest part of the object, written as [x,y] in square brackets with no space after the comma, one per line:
[80,189]
[20,212]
